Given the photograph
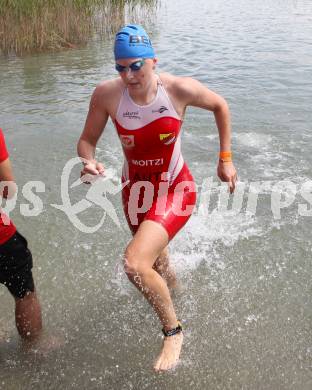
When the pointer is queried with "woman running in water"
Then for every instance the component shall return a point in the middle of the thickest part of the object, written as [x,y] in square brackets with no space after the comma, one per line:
[159,194]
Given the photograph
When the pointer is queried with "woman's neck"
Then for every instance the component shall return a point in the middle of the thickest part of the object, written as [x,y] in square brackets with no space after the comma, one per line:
[147,95]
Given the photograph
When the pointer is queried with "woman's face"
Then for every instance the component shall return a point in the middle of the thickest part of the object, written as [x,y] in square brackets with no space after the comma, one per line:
[137,79]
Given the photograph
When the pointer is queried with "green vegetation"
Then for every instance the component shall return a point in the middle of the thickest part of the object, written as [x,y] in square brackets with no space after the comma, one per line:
[36,25]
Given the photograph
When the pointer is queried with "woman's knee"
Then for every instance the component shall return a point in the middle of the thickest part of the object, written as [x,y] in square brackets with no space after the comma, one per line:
[130,263]
[136,262]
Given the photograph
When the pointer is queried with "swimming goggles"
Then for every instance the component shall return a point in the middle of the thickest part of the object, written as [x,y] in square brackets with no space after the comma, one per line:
[135,66]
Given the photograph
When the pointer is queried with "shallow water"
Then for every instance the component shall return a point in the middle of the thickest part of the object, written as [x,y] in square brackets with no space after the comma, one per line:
[246,299]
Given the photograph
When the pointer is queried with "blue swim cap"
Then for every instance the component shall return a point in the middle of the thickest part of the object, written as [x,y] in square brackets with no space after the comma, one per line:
[132,41]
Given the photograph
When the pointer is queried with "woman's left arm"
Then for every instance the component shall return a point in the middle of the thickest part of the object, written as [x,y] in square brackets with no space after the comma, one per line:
[196,94]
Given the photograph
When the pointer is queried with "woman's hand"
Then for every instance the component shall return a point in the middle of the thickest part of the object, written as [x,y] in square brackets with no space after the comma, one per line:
[227,173]
[91,171]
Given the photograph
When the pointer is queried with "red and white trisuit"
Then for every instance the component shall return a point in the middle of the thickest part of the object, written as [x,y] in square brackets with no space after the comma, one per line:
[160,186]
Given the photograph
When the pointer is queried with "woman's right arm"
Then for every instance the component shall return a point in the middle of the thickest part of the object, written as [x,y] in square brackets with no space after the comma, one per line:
[95,123]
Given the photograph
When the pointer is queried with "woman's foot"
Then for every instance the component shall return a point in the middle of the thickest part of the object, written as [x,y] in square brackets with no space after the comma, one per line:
[170,354]
[44,344]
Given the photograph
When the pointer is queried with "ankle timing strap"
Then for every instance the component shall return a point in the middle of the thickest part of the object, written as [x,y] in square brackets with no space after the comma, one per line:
[172,332]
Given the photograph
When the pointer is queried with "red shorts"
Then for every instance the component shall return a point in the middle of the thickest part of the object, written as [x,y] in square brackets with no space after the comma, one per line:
[169,206]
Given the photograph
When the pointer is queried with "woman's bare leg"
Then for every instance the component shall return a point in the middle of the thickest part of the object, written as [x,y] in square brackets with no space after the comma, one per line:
[28,316]
[165,270]
[140,256]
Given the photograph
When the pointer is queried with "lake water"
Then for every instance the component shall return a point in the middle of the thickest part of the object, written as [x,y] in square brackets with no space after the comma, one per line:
[246,276]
